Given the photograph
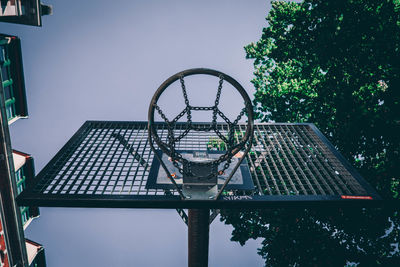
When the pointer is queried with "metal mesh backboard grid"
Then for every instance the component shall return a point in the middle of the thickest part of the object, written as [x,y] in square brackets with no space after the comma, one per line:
[111,161]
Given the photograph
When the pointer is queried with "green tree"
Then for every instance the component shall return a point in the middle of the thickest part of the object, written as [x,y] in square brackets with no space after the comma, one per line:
[336,64]
[319,237]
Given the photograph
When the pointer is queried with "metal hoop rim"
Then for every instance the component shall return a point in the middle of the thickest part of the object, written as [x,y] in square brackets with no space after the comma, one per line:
[248,105]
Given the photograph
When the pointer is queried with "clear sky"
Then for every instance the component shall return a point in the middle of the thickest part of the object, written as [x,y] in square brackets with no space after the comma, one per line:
[103,60]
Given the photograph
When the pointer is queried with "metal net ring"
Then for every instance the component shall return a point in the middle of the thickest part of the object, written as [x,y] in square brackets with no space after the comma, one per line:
[169,147]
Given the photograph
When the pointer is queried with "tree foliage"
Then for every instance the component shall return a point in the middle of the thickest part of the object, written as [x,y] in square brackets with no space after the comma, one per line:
[319,237]
[336,64]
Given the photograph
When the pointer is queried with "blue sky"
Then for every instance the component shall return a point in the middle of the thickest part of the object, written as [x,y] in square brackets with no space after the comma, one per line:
[103,60]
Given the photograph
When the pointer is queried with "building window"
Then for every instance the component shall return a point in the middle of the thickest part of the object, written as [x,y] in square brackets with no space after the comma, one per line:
[20,180]
[2,55]
[7,84]
[24,214]
[5,74]
[4,64]
[7,92]
[2,257]
[10,109]
[20,188]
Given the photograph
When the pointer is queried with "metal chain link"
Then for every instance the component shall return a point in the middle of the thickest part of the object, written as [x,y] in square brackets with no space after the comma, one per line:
[221,81]
[224,117]
[226,165]
[176,165]
[176,156]
[184,90]
[179,115]
[232,126]
[201,108]
[221,136]
[161,113]
[170,138]
[182,134]
[188,108]
[215,110]
[240,116]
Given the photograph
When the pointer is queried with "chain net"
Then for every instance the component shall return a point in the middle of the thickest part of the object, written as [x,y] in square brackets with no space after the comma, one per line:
[177,159]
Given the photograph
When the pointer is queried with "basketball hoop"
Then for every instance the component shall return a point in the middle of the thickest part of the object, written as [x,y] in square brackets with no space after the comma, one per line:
[200,174]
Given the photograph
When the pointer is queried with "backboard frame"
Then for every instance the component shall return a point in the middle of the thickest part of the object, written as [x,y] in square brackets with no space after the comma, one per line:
[172,201]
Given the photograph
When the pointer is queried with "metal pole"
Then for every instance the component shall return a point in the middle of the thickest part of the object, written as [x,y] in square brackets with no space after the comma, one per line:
[198,233]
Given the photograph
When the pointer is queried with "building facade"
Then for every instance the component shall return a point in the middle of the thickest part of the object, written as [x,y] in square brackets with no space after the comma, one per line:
[28,12]
[35,252]
[12,78]
[24,174]
[4,261]
[16,168]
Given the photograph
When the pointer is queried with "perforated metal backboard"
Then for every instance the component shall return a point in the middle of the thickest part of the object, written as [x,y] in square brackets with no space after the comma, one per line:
[110,164]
